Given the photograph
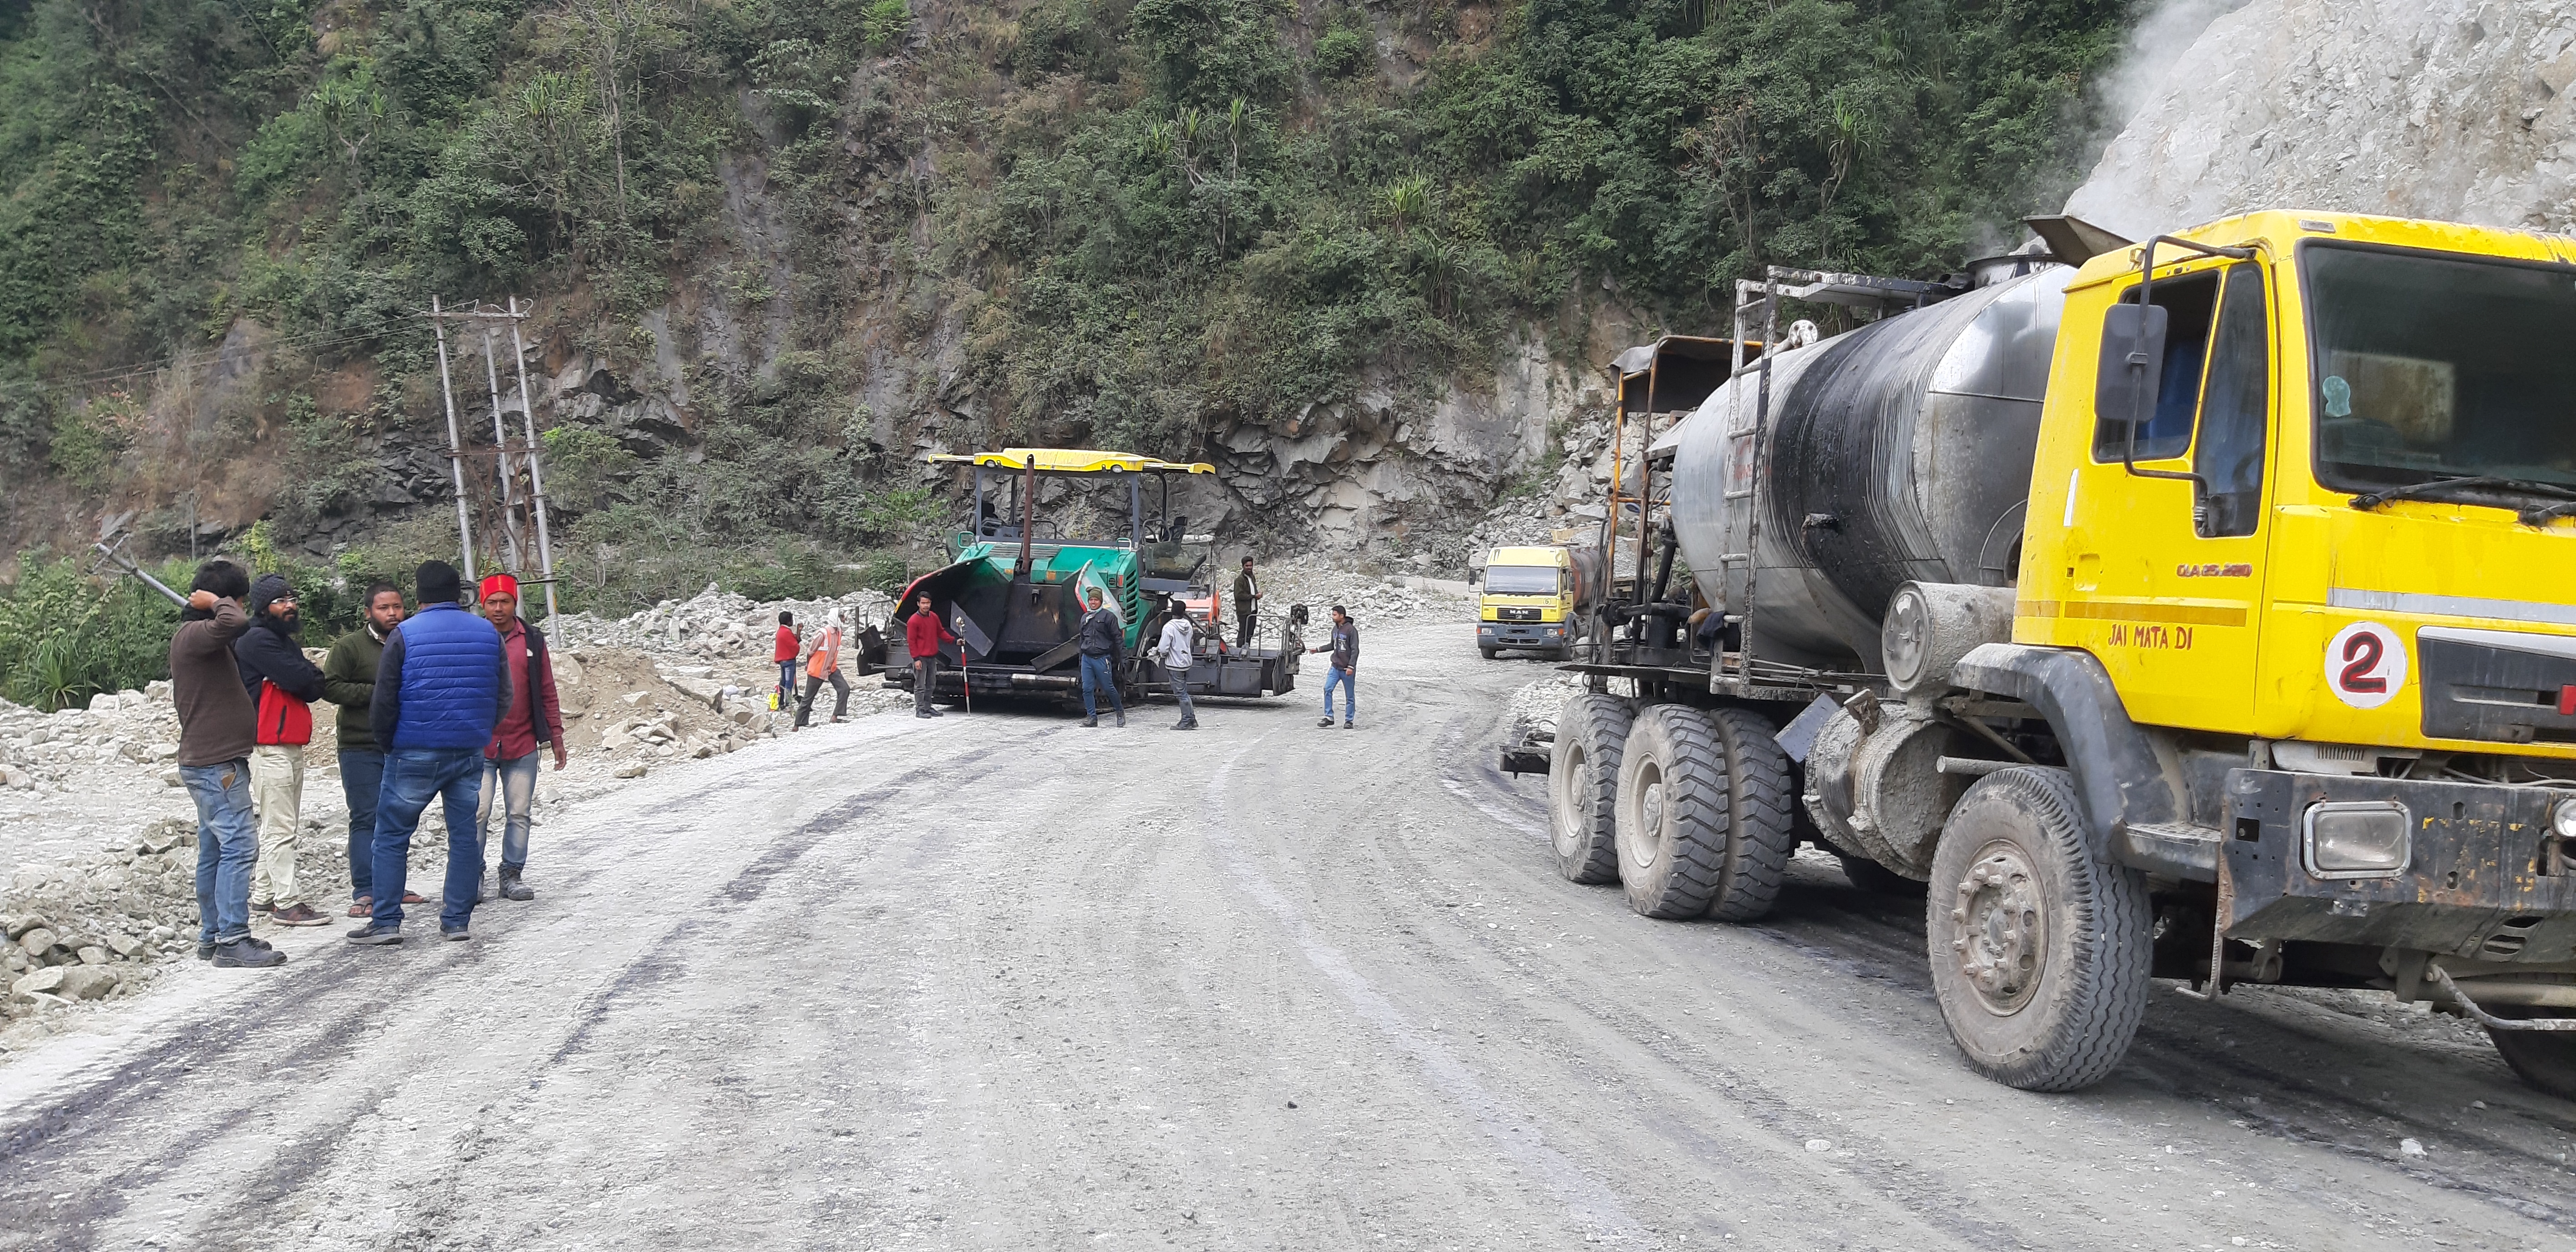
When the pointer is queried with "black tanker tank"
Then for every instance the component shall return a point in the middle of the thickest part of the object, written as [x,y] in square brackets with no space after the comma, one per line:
[1897,452]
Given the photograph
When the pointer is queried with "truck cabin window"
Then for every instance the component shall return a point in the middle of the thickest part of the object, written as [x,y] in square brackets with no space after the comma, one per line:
[2426,366]
[2189,304]
[1520,580]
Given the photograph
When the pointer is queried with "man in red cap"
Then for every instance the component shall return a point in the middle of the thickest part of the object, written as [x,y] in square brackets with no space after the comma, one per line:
[534,721]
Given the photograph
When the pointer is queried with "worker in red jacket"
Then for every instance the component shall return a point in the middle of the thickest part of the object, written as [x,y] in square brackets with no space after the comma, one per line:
[922,635]
[784,656]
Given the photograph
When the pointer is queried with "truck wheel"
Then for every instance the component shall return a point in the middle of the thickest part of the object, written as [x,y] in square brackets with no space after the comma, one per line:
[1672,813]
[2545,1059]
[1762,830]
[2039,953]
[1877,879]
[1583,785]
[1489,652]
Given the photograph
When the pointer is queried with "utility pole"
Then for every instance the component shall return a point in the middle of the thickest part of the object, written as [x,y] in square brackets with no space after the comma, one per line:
[513,553]
[455,441]
[501,448]
[536,479]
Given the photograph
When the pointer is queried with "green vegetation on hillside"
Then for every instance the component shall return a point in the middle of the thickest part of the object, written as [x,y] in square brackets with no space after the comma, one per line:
[1143,216]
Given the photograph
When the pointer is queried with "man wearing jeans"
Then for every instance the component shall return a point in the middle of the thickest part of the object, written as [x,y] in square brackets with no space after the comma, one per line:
[440,691]
[1345,647]
[1101,635]
[534,721]
[349,680]
[217,727]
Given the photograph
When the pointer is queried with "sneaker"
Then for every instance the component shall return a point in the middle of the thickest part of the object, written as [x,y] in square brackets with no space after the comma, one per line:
[453,934]
[923,713]
[263,906]
[1327,722]
[1188,725]
[939,712]
[205,950]
[244,954]
[372,935]
[298,915]
[1092,722]
[363,906]
[1122,717]
[513,889]
[1350,725]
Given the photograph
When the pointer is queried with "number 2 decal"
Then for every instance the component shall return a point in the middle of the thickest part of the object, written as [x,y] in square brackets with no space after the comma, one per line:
[2366,665]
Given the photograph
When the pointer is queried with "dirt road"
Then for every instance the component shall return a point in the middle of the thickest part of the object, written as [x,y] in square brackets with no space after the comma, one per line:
[1002,982]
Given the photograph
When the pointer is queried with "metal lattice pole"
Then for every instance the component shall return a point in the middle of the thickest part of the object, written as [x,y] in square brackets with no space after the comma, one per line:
[516,556]
[455,441]
[536,477]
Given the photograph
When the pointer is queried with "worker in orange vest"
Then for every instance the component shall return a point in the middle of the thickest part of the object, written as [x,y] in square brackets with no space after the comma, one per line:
[824,663]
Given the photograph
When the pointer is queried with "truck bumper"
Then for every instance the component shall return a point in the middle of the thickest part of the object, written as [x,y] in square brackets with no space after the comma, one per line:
[1520,634]
[2480,874]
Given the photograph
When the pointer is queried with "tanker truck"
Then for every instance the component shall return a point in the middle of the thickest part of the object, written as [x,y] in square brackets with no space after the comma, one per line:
[2199,609]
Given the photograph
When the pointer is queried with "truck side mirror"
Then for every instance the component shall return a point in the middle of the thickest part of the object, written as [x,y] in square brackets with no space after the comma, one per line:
[2133,353]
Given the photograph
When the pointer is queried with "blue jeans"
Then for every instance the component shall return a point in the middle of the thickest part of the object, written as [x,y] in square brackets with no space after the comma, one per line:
[414,777]
[1096,674]
[786,682]
[362,775]
[514,782]
[1350,693]
[227,843]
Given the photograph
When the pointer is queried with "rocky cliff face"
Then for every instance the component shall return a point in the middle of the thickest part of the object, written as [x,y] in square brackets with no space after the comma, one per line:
[2451,109]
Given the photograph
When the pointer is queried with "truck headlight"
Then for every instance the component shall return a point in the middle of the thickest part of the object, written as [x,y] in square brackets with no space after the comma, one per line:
[2358,839]
[2562,818]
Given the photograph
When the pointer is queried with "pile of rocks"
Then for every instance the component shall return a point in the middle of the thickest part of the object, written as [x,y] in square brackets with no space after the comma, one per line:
[1533,708]
[1318,585]
[712,625]
[86,934]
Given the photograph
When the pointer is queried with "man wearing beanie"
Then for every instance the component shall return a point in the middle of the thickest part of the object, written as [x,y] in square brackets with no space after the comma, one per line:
[217,724]
[282,686]
[440,690]
[533,721]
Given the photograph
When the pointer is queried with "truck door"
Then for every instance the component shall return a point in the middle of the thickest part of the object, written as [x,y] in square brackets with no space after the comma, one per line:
[2165,575]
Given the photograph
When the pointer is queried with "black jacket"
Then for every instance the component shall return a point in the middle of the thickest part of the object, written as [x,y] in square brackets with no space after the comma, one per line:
[266,651]
[1102,633]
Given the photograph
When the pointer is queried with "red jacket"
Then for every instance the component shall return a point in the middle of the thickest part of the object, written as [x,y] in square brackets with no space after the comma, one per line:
[786,649]
[923,633]
[530,723]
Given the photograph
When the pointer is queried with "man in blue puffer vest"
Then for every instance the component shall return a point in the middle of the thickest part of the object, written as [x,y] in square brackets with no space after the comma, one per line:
[440,689]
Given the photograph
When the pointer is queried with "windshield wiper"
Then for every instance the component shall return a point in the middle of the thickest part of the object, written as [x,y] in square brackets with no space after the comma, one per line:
[2415,491]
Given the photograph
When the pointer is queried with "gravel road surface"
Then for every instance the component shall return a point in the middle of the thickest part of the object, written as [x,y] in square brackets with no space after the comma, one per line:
[1003,982]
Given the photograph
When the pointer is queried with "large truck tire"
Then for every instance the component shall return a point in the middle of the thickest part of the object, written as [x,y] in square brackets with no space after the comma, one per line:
[1762,817]
[2040,954]
[1489,652]
[1583,785]
[2544,1059]
[1673,817]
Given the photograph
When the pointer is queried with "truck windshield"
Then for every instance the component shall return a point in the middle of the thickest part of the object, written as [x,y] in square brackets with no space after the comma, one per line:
[2430,367]
[1520,580]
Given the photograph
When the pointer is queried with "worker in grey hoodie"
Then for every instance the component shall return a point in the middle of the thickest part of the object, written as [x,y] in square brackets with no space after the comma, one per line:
[1174,653]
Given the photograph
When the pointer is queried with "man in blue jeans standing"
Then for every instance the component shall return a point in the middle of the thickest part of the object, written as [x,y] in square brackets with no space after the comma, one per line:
[217,728]
[440,689]
[1345,647]
[1102,636]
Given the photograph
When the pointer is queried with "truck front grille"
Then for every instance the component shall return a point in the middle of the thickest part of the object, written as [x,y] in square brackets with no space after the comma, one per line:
[1516,615]
[2497,685]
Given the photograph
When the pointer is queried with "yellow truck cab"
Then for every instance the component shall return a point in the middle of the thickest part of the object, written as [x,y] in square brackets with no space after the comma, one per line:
[2200,608]
[1528,602]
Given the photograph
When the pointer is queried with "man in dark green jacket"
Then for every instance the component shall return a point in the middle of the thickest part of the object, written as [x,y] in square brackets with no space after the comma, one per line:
[349,680]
